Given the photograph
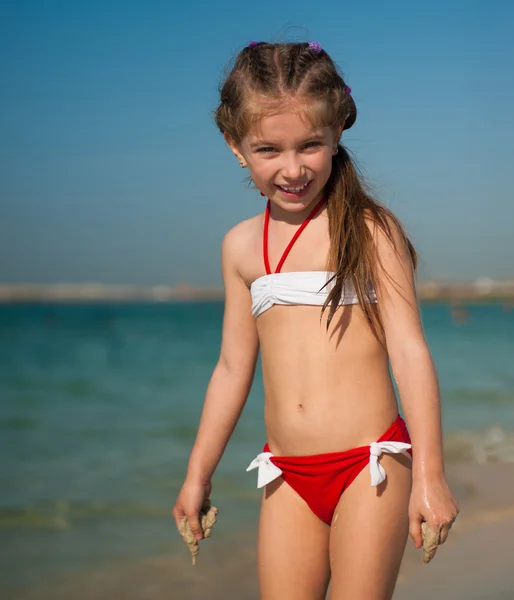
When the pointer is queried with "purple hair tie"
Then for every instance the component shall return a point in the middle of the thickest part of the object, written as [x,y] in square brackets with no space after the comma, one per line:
[348,90]
[252,44]
[315,47]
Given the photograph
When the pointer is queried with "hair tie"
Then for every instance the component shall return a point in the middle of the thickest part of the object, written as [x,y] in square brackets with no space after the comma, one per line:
[348,90]
[252,44]
[315,47]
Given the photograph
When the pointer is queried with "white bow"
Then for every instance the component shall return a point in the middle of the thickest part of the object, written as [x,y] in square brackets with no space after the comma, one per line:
[378,473]
[267,470]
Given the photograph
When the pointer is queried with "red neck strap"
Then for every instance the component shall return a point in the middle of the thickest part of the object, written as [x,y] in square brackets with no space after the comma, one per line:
[293,239]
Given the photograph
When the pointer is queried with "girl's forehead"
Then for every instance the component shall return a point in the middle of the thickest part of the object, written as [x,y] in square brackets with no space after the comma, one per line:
[287,121]
[303,114]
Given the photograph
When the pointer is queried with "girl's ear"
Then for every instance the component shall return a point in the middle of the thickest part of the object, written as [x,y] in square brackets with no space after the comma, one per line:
[235,149]
[338,130]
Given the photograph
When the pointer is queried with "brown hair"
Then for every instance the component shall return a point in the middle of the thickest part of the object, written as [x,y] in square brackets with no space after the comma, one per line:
[277,73]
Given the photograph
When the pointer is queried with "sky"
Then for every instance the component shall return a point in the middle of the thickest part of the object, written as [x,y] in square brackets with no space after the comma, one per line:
[112,170]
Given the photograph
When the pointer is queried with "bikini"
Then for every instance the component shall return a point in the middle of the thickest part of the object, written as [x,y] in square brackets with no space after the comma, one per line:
[319,479]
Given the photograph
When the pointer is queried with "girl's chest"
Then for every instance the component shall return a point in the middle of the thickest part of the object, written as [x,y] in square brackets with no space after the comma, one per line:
[309,252]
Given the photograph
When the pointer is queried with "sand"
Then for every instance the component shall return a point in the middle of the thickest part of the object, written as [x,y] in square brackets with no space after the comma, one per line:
[477,562]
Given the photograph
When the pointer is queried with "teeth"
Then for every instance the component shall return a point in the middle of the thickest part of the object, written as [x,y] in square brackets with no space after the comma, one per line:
[294,189]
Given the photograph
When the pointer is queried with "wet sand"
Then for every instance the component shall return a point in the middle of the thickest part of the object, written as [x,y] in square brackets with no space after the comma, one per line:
[475,564]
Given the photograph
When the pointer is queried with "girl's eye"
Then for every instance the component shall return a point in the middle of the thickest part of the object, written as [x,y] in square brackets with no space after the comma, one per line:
[312,144]
[271,149]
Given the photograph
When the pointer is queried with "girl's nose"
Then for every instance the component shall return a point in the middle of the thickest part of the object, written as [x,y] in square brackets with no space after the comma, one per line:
[292,167]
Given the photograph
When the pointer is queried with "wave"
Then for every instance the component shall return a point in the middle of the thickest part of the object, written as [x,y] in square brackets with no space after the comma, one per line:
[61,514]
[480,396]
[492,444]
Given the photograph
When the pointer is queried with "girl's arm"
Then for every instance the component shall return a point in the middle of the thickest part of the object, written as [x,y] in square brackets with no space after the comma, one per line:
[228,388]
[414,372]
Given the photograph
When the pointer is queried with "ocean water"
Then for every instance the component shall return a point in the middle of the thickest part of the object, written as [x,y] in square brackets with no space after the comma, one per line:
[99,406]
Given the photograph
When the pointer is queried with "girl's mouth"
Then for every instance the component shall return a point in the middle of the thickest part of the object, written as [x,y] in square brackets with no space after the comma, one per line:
[296,191]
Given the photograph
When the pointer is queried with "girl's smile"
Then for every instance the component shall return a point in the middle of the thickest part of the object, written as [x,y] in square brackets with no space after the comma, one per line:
[294,191]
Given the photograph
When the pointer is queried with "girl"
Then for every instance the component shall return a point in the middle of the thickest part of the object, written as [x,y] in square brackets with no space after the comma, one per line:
[322,283]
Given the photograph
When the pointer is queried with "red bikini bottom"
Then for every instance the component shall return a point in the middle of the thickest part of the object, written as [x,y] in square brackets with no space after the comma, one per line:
[320,479]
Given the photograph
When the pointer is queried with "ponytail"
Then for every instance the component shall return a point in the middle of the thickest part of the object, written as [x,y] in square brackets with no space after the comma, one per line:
[352,255]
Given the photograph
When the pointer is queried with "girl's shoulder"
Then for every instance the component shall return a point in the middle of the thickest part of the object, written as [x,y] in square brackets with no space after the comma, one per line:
[244,234]
[242,246]
[387,233]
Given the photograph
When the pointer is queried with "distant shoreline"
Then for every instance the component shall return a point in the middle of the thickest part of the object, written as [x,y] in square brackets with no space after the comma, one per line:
[481,290]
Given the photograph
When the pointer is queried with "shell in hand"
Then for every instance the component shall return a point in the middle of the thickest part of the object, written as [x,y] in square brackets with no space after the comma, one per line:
[431,540]
[207,519]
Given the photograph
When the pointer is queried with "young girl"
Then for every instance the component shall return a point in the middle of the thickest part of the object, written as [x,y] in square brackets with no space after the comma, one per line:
[322,283]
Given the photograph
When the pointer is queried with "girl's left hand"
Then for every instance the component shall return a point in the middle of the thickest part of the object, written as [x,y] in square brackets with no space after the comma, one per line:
[431,501]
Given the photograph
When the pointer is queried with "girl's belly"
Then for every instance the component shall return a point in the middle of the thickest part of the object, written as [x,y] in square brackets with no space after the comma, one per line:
[325,391]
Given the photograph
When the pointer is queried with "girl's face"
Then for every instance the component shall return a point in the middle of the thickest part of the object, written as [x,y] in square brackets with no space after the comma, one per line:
[289,160]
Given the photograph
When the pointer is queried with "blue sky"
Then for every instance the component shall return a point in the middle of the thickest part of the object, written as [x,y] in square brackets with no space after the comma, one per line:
[112,170]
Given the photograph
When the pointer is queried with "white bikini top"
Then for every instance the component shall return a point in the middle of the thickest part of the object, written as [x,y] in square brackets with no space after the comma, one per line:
[297,287]
[300,287]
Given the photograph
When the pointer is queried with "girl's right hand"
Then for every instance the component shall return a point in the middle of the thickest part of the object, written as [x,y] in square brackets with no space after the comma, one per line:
[189,503]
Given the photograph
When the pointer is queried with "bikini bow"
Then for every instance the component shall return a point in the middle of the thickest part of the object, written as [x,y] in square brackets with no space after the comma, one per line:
[267,470]
[378,473]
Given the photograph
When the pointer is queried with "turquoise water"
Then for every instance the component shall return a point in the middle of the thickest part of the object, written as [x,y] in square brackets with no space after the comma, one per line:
[98,409]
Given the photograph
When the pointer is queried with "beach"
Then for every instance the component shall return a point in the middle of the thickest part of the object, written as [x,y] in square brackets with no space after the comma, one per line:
[99,408]
[474,564]
[476,561]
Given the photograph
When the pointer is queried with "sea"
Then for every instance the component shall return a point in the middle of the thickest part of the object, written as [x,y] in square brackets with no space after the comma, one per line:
[99,405]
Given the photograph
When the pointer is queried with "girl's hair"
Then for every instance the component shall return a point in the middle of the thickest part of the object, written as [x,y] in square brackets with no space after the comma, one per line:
[264,79]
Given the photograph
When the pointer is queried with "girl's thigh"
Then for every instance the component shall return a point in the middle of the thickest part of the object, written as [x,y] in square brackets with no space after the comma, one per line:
[369,533]
[293,547]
